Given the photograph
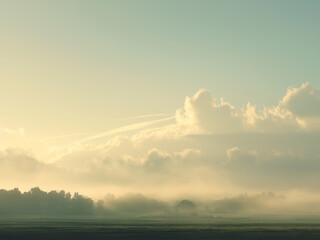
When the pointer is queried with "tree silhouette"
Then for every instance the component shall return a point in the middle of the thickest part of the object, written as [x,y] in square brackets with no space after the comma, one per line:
[38,202]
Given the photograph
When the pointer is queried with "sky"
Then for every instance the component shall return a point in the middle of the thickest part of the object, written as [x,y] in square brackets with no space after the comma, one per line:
[209,97]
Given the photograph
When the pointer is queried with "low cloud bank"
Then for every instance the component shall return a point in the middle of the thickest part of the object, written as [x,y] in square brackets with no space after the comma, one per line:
[212,149]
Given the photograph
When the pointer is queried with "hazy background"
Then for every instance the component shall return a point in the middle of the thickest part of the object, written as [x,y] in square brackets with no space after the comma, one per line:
[163,100]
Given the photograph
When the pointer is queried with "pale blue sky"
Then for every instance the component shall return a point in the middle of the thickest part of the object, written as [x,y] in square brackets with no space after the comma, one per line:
[80,66]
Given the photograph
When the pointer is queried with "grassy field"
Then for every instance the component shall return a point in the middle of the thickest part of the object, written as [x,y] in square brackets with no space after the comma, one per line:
[49,228]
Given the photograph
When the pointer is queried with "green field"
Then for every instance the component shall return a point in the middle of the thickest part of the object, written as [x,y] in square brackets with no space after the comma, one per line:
[49,228]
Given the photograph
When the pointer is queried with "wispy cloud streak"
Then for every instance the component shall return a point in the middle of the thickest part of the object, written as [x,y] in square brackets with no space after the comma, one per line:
[127,128]
[145,116]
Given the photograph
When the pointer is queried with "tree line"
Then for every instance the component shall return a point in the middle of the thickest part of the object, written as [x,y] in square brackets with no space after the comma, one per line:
[38,202]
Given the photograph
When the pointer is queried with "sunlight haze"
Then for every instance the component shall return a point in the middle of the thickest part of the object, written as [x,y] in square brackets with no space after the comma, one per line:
[202,100]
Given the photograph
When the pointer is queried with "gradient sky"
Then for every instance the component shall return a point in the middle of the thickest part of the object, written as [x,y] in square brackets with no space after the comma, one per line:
[125,95]
[79,66]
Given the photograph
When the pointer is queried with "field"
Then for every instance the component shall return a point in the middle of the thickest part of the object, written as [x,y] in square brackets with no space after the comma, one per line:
[49,228]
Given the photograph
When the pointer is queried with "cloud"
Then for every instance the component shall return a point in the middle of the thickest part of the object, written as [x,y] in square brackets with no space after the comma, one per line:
[146,116]
[19,161]
[237,156]
[124,129]
[212,149]
[297,111]
[20,168]
[303,102]
[156,161]
[202,112]
[270,120]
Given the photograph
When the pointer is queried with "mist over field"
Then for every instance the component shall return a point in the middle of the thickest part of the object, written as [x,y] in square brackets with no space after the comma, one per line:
[36,202]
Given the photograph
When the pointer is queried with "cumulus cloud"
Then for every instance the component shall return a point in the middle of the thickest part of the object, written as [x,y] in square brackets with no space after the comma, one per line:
[270,120]
[299,109]
[202,112]
[303,101]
